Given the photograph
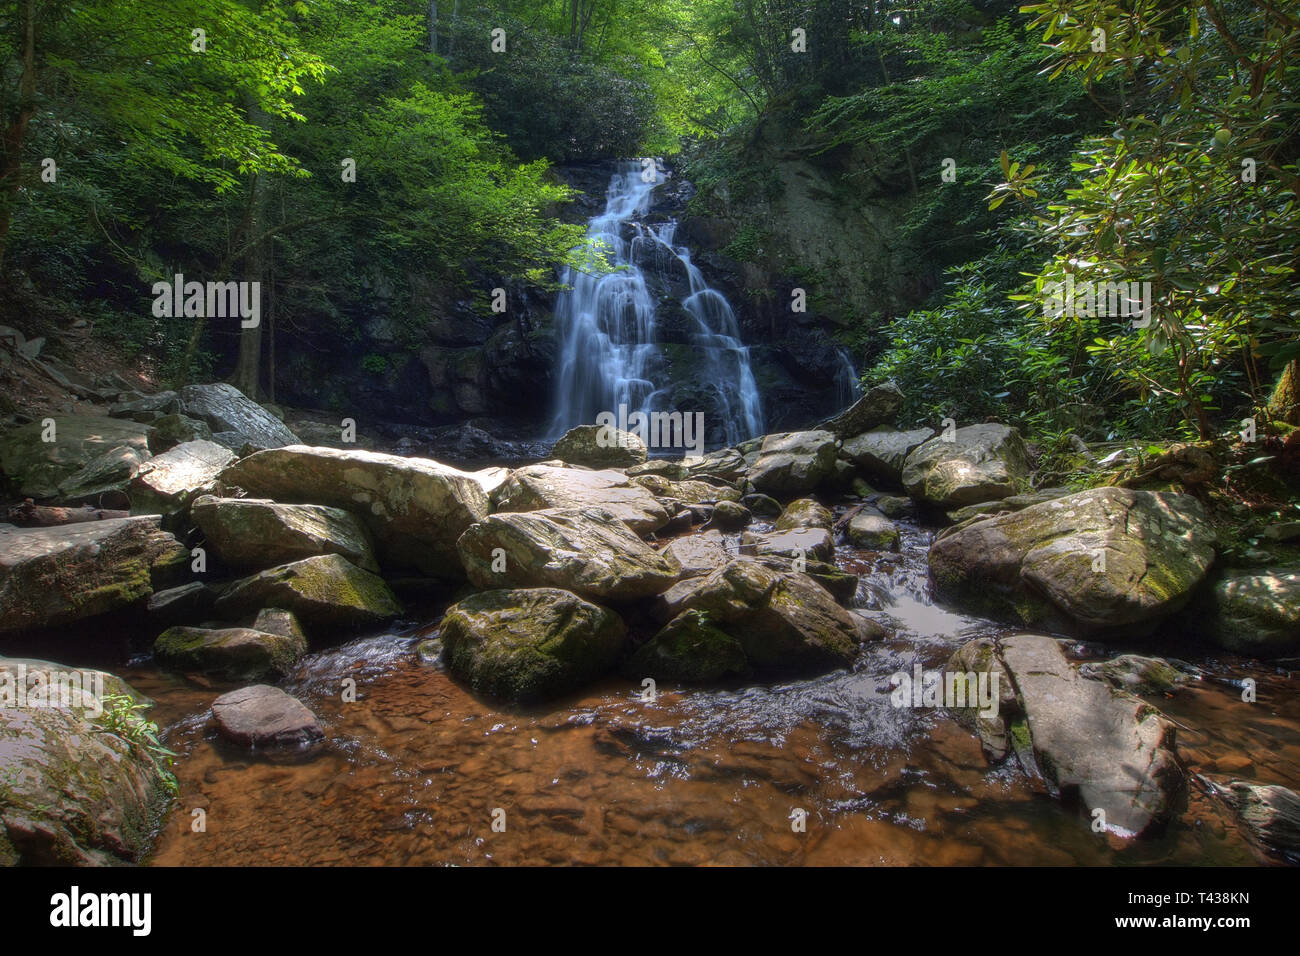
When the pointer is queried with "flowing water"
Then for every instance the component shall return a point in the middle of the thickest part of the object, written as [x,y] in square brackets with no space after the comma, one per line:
[650,335]
[413,771]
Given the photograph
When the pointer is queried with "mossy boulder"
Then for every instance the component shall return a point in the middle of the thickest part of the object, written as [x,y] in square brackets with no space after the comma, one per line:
[1252,611]
[232,653]
[259,533]
[804,513]
[967,466]
[1108,562]
[794,463]
[691,650]
[326,592]
[529,645]
[596,446]
[873,531]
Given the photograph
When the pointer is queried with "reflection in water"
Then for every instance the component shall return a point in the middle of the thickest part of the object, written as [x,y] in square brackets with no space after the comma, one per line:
[415,768]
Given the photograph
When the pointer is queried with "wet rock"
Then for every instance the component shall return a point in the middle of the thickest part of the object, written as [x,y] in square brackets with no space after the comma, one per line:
[804,513]
[1252,611]
[726,463]
[873,531]
[179,605]
[53,576]
[785,622]
[686,492]
[1137,674]
[327,591]
[794,463]
[997,731]
[234,417]
[880,405]
[530,645]
[698,554]
[806,543]
[689,649]
[232,653]
[585,550]
[842,585]
[679,523]
[414,508]
[168,483]
[1099,562]
[981,463]
[538,487]
[34,468]
[104,480]
[259,533]
[265,716]
[879,454]
[276,620]
[72,792]
[729,516]
[1271,812]
[762,505]
[892,506]
[596,446]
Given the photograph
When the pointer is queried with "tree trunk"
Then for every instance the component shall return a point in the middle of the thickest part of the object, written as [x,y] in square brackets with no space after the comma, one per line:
[1284,404]
[15,134]
[433,26]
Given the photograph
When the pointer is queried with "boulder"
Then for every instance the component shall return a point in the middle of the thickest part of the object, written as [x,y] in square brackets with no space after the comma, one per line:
[786,622]
[1014,503]
[879,454]
[171,430]
[879,405]
[873,531]
[686,492]
[1101,562]
[326,591]
[34,468]
[538,487]
[183,604]
[1252,611]
[259,533]
[104,480]
[147,408]
[265,716]
[698,554]
[794,463]
[53,576]
[275,620]
[596,446]
[689,649]
[168,483]
[584,550]
[726,463]
[235,419]
[729,516]
[414,508]
[808,543]
[232,653]
[762,505]
[530,645]
[980,463]
[73,791]
[1137,674]
[804,513]
[1270,812]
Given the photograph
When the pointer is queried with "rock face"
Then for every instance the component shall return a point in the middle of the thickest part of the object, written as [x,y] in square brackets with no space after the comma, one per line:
[258,533]
[1108,748]
[34,468]
[327,591]
[234,653]
[169,482]
[235,419]
[265,716]
[414,508]
[794,463]
[785,623]
[599,447]
[584,550]
[538,487]
[879,406]
[71,792]
[981,463]
[53,576]
[1253,611]
[530,645]
[1098,562]
[879,455]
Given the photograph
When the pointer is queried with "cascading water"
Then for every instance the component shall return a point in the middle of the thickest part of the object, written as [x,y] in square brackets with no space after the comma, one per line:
[651,335]
[847,387]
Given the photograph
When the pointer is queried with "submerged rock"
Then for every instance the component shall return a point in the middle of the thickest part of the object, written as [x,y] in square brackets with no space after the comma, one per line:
[414,508]
[233,653]
[794,463]
[980,463]
[327,591]
[529,645]
[1097,562]
[584,550]
[52,576]
[265,716]
[539,487]
[598,447]
[258,532]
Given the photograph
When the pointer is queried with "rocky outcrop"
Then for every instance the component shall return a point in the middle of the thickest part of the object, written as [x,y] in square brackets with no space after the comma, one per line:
[598,447]
[169,482]
[538,487]
[265,716]
[53,576]
[232,653]
[586,550]
[73,791]
[972,464]
[793,464]
[414,508]
[1101,562]
[259,533]
[325,592]
[235,420]
[530,645]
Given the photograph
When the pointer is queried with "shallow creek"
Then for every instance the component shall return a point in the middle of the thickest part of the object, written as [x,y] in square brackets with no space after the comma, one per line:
[414,769]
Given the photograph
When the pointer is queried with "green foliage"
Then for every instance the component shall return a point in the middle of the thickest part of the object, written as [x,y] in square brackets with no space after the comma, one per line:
[123,717]
[376,364]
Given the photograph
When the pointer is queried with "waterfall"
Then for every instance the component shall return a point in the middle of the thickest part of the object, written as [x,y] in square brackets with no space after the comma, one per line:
[848,388]
[651,335]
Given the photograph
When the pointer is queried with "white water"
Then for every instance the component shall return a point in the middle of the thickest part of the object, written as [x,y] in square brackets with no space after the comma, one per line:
[610,350]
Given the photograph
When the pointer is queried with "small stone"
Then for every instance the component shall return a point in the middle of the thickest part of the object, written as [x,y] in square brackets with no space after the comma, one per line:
[265,716]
